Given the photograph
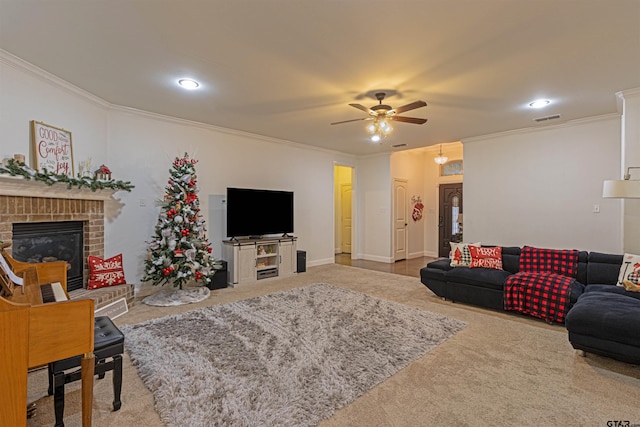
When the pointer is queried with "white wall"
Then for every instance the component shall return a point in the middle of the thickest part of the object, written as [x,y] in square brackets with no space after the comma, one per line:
[373,216]
[28,93]
[409,165]
[145,147]
[630,158]
[140,147]
[539,186]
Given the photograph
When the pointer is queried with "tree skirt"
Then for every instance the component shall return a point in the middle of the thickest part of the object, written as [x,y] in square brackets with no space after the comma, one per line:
[167,297]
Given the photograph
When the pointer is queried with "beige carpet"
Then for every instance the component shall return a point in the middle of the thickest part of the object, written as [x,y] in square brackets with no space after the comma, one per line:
[501,370]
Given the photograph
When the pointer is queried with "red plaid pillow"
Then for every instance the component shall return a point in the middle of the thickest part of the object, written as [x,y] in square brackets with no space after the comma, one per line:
[105,272]
[486,257]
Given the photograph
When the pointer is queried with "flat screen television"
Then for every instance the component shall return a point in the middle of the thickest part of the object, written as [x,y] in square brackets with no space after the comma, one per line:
[256,213]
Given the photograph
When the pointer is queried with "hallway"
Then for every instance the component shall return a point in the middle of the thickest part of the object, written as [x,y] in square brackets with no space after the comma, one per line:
[407,267]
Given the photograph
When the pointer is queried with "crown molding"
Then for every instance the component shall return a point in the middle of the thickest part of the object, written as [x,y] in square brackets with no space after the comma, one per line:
[45,76]
[20,64]
[227,131]
[567,124]
[629,93]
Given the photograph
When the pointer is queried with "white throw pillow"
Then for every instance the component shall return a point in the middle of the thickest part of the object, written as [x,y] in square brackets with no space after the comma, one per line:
[630,269]
[460,255]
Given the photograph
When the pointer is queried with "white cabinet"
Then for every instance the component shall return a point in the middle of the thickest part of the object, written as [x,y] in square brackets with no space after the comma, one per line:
[287,257]
[246,262]
[250,260]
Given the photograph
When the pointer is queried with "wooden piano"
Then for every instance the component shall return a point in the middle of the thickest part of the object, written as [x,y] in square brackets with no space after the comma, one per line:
[34,334]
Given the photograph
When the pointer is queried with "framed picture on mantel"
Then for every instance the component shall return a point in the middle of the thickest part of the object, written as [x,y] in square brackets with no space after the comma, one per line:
[52,149]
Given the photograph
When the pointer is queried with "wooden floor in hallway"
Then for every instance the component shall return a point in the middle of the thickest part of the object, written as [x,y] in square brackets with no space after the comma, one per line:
[408,267]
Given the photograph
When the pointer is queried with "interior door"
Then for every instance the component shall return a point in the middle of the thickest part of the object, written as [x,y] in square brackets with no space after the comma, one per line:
[345,198]
[450,202]
[400,208]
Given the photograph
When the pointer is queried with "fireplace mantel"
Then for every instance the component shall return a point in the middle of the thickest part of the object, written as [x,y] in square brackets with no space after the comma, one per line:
[23,200]
[19,186]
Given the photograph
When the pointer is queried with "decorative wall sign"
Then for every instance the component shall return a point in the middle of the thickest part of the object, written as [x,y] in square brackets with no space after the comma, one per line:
[52,149]
[453,167]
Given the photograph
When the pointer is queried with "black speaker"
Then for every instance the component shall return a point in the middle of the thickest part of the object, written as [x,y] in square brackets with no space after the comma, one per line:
[302,262]
[219,280]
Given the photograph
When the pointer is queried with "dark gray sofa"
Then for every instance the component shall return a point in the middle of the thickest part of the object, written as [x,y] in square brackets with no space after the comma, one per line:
[603,318]
[606,318]
[485,286]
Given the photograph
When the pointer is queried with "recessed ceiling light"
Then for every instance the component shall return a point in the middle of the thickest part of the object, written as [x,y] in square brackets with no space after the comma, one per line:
[539,103]
[188,83]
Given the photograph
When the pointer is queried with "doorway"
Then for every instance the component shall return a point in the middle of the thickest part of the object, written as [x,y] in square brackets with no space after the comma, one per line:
[450,206]
[343,209]
[346,191]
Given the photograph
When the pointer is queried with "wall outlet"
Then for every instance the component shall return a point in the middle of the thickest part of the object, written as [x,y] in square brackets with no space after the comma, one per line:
[143,203]
[596,208]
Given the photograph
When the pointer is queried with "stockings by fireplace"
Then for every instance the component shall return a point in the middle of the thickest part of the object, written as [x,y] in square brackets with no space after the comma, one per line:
[51,241]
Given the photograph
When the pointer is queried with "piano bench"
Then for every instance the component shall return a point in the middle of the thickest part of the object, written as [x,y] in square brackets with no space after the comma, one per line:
[108,343]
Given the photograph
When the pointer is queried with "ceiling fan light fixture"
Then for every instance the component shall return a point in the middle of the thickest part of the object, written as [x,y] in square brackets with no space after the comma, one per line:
[379,129]
[380,115]
[440,159]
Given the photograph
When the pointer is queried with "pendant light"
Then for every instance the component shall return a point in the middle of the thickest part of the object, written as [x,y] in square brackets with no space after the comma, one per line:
[441,160]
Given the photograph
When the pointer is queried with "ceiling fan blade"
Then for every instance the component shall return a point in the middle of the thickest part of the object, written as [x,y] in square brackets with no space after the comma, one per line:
[363,108]
[352,120]
[411,106]
[414,120]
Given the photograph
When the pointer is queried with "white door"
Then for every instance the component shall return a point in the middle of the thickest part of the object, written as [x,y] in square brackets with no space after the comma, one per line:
[345,217]
[400,220]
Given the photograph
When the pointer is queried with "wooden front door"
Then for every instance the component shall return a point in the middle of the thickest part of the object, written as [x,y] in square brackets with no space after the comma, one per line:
[450,202]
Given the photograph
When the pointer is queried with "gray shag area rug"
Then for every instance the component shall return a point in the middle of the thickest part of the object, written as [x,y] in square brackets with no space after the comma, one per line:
[291,358]
[170,297]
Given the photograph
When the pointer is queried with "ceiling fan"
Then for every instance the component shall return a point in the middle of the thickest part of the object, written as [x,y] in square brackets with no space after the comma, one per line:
[385,112]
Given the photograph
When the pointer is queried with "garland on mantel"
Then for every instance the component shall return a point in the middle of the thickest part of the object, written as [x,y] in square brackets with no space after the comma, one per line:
[15,168]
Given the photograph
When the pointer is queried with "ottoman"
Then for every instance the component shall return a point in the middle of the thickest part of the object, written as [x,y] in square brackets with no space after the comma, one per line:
[606,323]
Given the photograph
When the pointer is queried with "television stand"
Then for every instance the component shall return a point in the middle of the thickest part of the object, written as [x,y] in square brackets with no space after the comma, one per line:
[253,259]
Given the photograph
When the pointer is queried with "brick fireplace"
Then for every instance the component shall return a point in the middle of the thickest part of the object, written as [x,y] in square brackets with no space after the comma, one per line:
[23,202]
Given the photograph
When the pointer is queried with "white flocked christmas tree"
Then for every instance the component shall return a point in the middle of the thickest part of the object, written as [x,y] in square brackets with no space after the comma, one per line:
[179,252]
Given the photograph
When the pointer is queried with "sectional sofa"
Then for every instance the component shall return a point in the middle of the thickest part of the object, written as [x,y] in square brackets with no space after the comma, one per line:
[602,318]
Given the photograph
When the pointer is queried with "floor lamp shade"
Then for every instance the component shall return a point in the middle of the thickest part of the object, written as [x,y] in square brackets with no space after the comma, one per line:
[621,189]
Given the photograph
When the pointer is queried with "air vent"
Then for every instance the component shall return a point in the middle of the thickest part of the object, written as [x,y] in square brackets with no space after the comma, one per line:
[399,145]
[546,119]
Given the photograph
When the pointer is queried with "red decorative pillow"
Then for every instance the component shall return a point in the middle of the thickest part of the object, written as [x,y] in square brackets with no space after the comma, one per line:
[105,272]
[486,257]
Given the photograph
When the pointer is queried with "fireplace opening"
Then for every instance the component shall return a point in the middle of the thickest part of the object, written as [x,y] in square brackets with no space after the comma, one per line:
[35,242]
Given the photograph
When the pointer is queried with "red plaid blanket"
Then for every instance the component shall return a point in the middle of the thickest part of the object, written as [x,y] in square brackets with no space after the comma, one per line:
[539,260]
[543,295]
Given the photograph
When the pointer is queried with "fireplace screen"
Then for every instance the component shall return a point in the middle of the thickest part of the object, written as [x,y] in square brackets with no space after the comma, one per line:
[51,241]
